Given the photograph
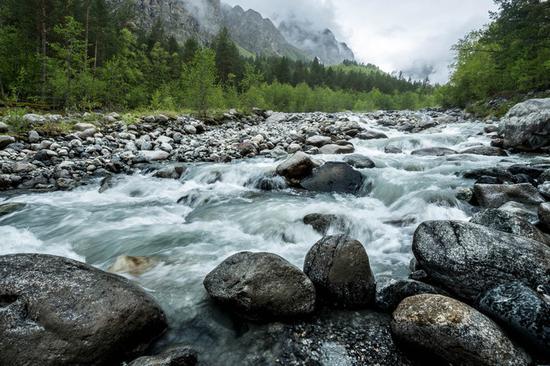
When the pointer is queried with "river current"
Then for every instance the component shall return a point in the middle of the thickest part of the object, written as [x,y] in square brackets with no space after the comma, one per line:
[225,214]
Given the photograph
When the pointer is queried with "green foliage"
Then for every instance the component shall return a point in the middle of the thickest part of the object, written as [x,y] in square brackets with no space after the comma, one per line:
[508,57]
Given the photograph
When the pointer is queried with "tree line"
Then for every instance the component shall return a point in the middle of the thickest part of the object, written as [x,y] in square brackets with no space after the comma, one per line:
[90,54]
[510,56]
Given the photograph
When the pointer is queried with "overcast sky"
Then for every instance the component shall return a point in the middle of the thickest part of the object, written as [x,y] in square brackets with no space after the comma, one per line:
[403,35]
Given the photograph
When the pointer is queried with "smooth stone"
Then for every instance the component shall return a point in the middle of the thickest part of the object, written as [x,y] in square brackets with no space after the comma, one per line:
[332,149]
[339,268]
[171,172]
[133,265]
[434,151]
[359,161]
[155,155]
[509,223]
[389,149]
[296,168]
[83,126]
[261,287]
[525,126]
[318,140]
[445,249]
[390,294]
[371,135]
[335,177]
[180,356]
[5,141]
[485,150]
[57,311]
[455,332]
[9,208]
[523,312]
[495,195]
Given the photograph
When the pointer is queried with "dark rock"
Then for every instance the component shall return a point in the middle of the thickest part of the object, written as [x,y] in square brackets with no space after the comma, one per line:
[296,168]
[485,150]
[455,332]
[359,161]
[469,259]
[502,175]
[5,141]
[526,212]
[56,311]
[247,149]
[522,311]
[390,294]
[181,356]
[434,151]
[389,149]
[267,183]
[9,208]
[334,177]
[340,270]
[338,337]
[171,172]
[323,222]
[532,172]
[371,135]
[495,195]
[544,215]
[509,223]
[261,286]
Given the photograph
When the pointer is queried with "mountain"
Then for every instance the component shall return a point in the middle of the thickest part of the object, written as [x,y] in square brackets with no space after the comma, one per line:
[254,34]
[250,30]
[321,44]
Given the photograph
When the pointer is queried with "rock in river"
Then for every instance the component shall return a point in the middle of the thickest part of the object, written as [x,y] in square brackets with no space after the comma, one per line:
[323,222]
[296,168]
[522,311]
[180,356]
[446,251]
[359,161]
[509,223]
[495,195]
[56,311]
[485,150]
[334,177]
[434,151]
[261,286]
[527,125]
[337,149]
[340,269]
[390,294]
[544,215]
[455,332]
[8,208]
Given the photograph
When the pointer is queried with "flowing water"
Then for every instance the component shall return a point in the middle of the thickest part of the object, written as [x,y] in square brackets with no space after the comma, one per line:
[224,214]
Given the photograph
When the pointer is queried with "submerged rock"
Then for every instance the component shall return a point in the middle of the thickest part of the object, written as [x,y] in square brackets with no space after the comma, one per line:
[359,161]
[509,223]
[171,172]
[495,195]
[9,208]
[455,332]
[334,177]
[132,265]
[261,287]
[522,311]
[56,311]
[390,294]
[434,151]
[323,222]
[181,356]
[445,249]
[340,270]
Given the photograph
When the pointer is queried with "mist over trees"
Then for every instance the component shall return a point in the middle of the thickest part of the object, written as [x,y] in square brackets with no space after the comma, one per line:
[87,54]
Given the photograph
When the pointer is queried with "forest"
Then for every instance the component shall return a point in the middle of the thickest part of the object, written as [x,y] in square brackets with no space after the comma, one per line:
[87,55]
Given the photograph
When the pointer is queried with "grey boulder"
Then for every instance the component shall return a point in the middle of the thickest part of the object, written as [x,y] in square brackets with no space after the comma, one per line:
[359,161]
[455,332]
[334,177]
[522,311]
[527,125]
[495,195]
[332,149]
[56,311]
[340,270]
[509,223]
[469,259]
[261,287]
[296,168]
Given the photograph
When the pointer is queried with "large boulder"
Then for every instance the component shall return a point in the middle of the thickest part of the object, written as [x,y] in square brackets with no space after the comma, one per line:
[56,311]
[455,332]
[527,125]
[340,269]
[318,140]
[334,177]
[469,259]
[261,287]
[522,311]
[495,195]
[296,168]
[509,223]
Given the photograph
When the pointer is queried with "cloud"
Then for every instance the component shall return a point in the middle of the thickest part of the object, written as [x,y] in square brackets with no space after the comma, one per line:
[412,36]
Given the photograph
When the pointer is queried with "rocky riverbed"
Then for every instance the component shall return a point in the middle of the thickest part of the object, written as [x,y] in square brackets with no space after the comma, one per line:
[388,238]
